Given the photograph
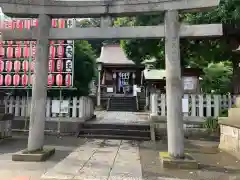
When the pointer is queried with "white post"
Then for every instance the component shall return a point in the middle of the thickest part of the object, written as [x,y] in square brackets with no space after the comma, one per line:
[154,101]
[39,89]
[173,85]
[99,87]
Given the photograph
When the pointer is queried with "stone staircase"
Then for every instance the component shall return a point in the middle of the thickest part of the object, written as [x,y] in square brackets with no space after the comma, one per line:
[115,131]
[127,104]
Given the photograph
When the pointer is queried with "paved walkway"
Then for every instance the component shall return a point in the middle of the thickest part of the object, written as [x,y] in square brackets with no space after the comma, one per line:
[101,160]
[121,117]
[84,159]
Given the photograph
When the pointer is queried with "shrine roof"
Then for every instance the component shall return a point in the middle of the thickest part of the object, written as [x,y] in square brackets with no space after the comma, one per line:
[113,54]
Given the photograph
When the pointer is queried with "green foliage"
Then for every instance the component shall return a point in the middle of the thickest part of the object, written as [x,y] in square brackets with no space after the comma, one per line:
[84,67]
[223,113]
[211,124]
[217,77]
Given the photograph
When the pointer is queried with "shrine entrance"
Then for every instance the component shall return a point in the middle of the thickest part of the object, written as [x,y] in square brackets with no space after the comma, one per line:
[124,83]
[172,30]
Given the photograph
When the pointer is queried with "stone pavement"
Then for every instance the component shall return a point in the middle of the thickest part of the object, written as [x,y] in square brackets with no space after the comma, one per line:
[100,160]
[11,170]
[85,159]
[121,117]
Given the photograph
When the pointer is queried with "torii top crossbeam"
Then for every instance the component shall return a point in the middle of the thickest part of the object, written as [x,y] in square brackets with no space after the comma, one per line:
[97,8]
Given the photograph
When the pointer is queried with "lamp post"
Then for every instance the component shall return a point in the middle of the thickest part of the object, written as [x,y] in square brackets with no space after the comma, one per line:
[99,67]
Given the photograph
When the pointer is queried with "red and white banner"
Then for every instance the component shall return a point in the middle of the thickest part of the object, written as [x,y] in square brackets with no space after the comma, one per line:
[27,24]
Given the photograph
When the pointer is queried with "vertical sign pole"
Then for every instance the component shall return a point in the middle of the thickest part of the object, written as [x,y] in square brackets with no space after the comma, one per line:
[60,113]
[26,111]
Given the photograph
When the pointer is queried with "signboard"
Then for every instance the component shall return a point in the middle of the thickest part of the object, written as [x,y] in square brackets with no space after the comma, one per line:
[63,109]
[17,58]
[189,83]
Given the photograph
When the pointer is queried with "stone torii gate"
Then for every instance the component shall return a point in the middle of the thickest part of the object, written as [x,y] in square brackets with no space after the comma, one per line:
[172,30]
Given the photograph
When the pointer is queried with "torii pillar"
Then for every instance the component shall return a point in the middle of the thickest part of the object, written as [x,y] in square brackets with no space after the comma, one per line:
[39,89]
[174,88]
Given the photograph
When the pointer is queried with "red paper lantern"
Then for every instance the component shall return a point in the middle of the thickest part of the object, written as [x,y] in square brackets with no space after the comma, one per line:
[68,80]
[60,50]
[1,79]
[9,52]
[61,23]
[18,51]
[50,80]
[32,66]
[8,80]
[51,66]
[1,66]
[54,23]
[59,65]
[24,79]
[17,66]
[8,66]
[52,51]
[26,51]
[59,79]
[16,80]
[25,65]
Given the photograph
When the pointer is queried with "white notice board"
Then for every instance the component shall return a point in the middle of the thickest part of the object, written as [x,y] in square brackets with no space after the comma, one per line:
[57,109]
[185,106]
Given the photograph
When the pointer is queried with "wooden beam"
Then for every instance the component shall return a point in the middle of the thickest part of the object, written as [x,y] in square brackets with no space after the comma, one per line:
[138,32]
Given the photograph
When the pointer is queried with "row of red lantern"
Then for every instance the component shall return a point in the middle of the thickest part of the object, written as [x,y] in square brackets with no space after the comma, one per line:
[18,53]
[26,66]
[25,51]
[24,79]
[16,66]
[28,23]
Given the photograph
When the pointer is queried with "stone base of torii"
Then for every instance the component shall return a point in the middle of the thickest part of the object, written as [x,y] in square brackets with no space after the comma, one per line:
[172,30]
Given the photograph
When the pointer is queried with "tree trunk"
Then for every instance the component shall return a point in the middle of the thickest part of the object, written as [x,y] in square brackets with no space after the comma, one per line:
[236,75]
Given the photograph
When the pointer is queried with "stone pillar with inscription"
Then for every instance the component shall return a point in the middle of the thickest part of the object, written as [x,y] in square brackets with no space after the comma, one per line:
[174,87]
[39,89]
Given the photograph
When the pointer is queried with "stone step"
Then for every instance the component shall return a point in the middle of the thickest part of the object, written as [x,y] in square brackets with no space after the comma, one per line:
[94,136]
[139,127]
[121,132]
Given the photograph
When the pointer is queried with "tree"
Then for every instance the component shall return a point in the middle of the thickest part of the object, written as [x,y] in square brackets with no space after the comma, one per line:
[194,53]
[84,66]
[217,78]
